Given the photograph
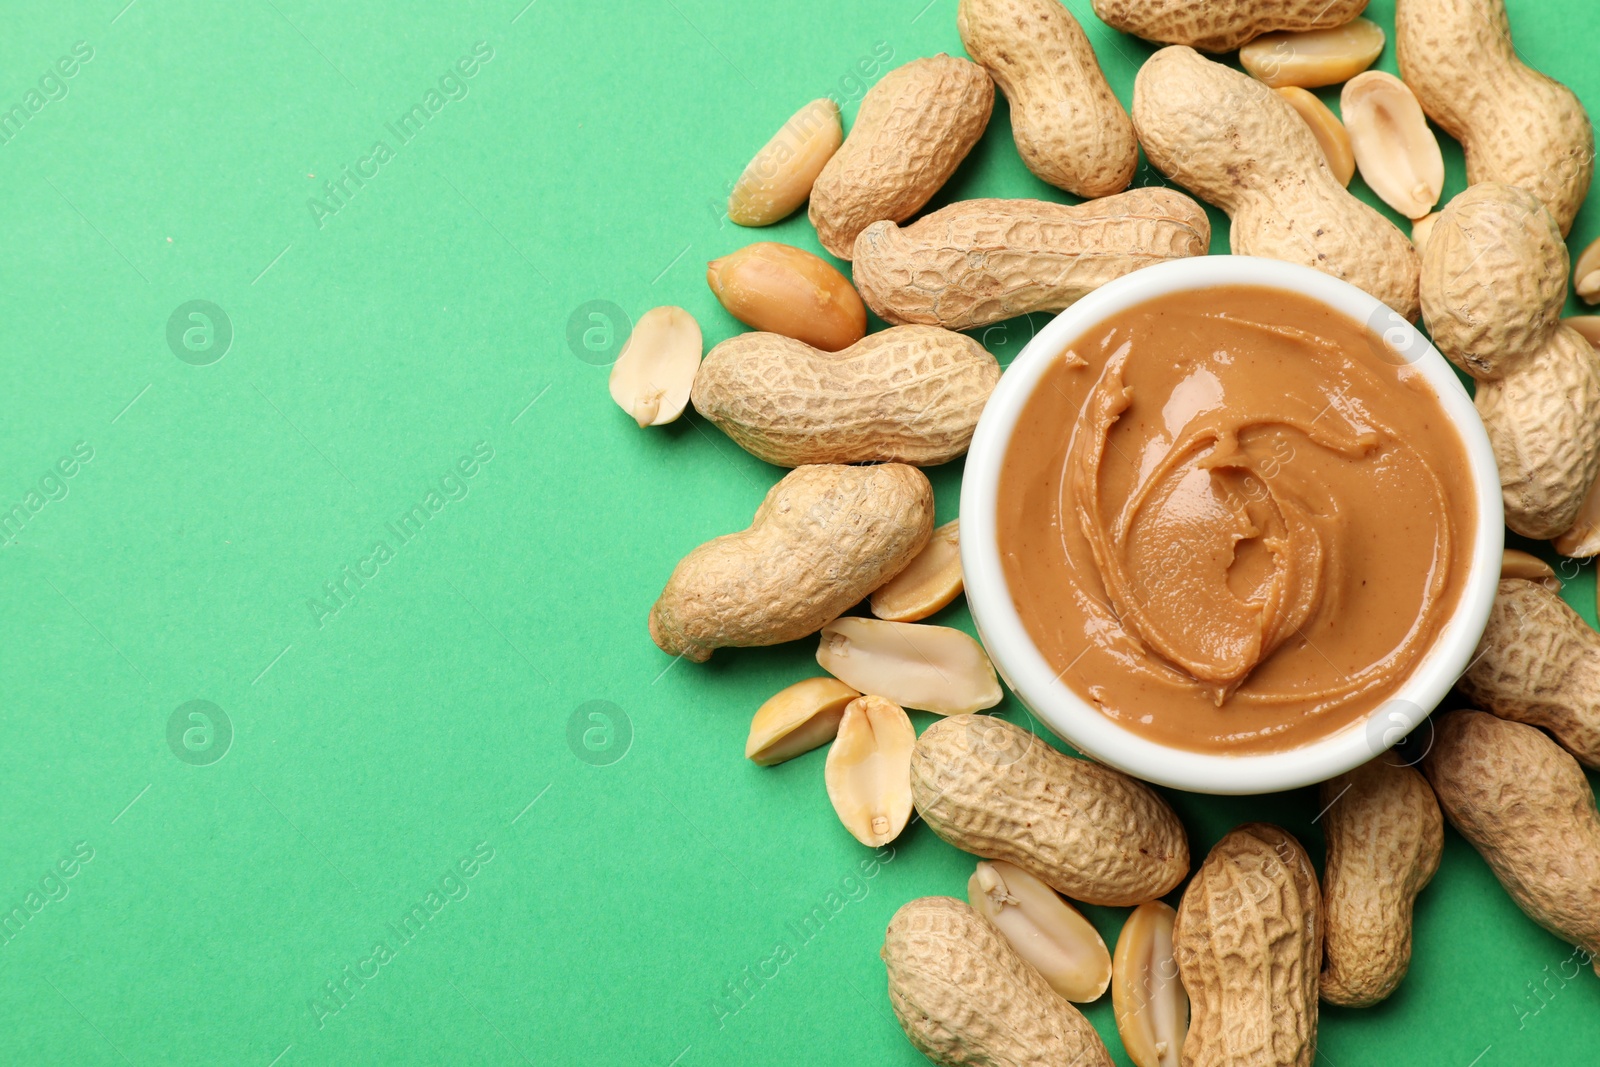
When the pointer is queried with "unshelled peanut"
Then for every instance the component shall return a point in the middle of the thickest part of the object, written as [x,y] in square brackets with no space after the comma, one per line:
[1234,142]
[1526,806]
[913,129]
[910,394]
[1385,836]
[1089,832]
[966,999]
[1538,662]
[1248,941]
[824,538]
[980,261]
[1070,129]
[1494,279]
[1222,25]
[1515,125]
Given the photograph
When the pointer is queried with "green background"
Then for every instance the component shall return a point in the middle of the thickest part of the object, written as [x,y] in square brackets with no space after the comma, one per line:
[635,871]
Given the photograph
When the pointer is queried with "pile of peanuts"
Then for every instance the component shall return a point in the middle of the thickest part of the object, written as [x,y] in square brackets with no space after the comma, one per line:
[1235,973]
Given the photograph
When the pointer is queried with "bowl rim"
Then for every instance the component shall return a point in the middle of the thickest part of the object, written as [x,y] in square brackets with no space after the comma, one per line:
[1074,719]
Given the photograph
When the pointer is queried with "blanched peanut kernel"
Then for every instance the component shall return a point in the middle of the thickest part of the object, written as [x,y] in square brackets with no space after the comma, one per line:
[1045,930]
[1151,1005]
[797,719]
[652,377]
[1328,130]
[1515,563]
[1586,274]
[1588,325]
[929,582]
[1314,57]
[1420,230]
[1582,539]
[1395,150]
[930,668]
[869,770]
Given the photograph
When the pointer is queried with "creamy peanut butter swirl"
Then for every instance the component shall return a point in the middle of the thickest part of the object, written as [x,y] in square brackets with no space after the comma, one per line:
[1233,523]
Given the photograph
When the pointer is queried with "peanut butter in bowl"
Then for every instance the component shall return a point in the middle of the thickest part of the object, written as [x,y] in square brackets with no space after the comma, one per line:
[1230,522]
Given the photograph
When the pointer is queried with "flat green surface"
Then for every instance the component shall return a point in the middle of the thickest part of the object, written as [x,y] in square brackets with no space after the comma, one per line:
[405,749]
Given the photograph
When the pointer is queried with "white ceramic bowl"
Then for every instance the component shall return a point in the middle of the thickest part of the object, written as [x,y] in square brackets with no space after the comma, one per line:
[1018,659]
